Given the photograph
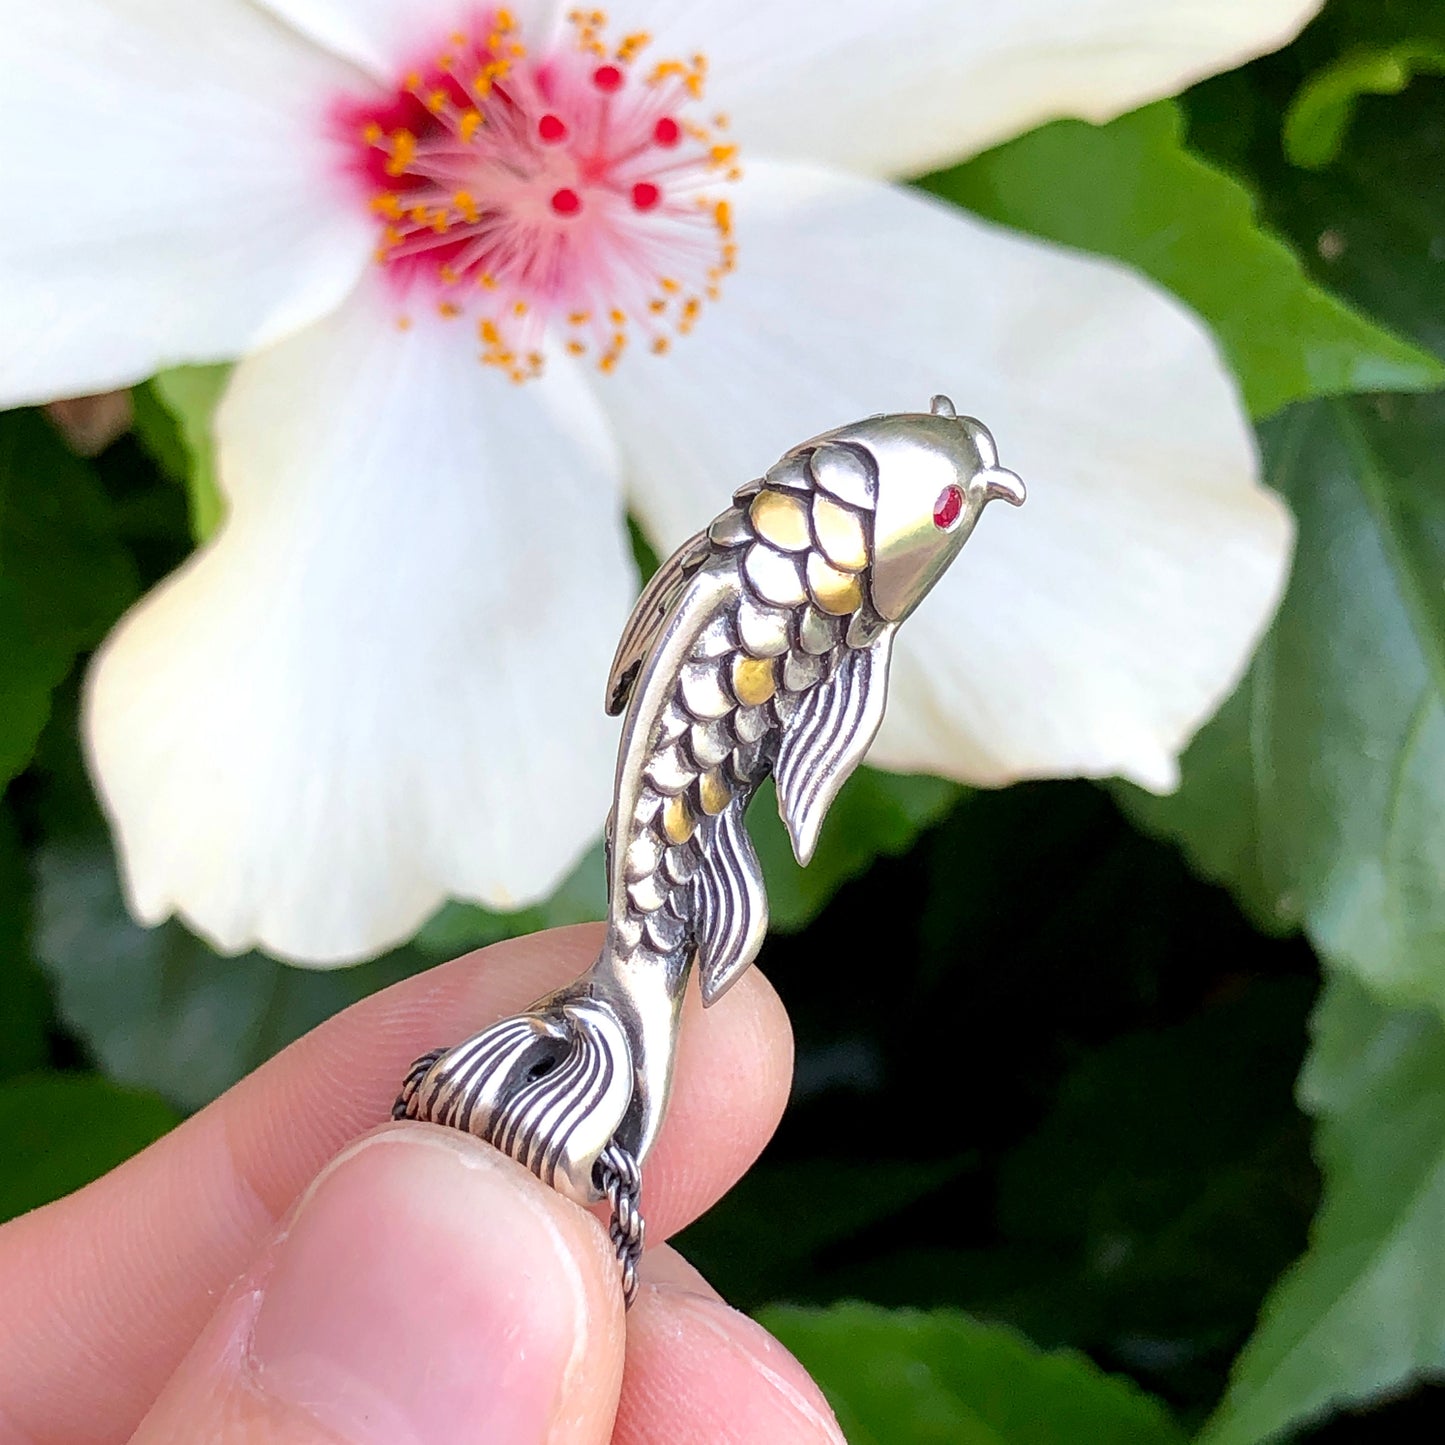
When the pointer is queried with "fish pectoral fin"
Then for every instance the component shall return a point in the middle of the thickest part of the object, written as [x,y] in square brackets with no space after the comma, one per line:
[826,739]
[649,616]
[730,905]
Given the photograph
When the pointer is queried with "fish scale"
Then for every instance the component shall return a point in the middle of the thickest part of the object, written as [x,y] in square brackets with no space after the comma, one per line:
[751,661]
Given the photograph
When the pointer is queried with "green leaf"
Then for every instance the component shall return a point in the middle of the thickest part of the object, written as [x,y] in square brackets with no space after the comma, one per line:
[1219,812]
[1363,1312]
[1319,793]
[64,577]
[1372,224]
[1320,114]
[905,1378]
[174,418]
[24,1003]
[156,1007]
[159,433]
[1132,190]
[764,1238]
[60,1131]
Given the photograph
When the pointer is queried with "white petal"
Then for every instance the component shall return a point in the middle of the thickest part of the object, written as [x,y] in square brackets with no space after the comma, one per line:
[902,87]
[1089,633]
[379,685]
[387,36]
[171,190]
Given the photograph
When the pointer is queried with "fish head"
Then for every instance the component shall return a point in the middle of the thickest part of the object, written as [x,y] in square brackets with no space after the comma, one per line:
[929,475]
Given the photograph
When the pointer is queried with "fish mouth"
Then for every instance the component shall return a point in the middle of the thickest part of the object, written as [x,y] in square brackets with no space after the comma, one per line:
[1001,485]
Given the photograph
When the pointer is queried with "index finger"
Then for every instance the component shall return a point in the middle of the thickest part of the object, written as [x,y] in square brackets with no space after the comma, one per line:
[116,1281]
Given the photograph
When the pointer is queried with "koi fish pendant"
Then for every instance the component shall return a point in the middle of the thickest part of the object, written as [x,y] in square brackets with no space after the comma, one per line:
[760,647]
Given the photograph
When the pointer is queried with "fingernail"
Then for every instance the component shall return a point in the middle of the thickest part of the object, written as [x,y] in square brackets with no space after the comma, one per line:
[665,1268]
[425,1291]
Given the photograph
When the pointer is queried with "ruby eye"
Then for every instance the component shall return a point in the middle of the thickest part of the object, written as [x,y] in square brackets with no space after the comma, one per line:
[948,508]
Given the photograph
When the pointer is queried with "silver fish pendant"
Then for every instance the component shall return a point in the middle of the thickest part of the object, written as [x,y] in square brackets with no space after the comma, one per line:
[761,646]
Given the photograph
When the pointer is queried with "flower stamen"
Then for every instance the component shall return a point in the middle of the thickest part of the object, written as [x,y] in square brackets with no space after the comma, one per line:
[561,199]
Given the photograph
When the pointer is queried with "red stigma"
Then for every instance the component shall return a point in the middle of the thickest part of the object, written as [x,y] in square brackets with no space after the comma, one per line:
[545,196]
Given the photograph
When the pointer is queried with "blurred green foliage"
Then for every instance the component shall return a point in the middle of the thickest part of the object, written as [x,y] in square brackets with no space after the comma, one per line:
[63,576]
[1114,1215]
[1095,1057]
[1133,191]
[24,1001]
[902,1378]
[173,417]
[48,1154]
[1320,792]
[1364,1309]
[155,1007]
[1320,113]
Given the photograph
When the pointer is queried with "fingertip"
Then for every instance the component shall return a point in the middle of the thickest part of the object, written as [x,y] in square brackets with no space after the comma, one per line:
[428,1272]
[426,1288]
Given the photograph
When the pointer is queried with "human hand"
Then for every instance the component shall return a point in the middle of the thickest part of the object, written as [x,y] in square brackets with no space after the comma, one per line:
[229,1284]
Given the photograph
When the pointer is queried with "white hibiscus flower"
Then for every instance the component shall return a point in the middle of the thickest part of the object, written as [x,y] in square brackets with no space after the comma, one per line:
[492,276]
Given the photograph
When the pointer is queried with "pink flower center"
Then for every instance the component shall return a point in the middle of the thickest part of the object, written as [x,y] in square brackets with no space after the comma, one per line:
[558,198]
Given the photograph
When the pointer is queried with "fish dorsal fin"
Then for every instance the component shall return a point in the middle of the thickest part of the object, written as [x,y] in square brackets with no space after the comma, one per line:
[730,906]
[826,739]
[649,616]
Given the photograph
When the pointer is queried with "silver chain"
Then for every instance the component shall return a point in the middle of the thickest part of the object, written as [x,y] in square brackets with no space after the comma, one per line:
[414,1075]
[620,1180]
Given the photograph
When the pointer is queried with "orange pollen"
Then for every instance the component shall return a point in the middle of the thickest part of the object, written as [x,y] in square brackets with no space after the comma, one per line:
[575,186]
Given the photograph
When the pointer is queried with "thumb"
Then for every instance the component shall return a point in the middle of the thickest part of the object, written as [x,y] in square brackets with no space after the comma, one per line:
[426,1288]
